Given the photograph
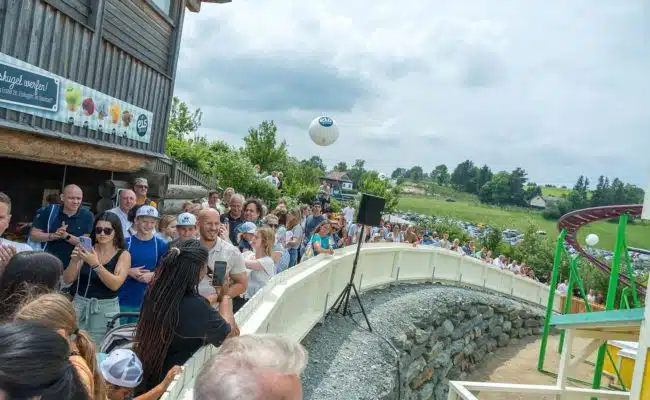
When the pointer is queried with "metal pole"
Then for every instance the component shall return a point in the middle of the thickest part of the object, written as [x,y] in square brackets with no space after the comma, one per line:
[611,293]
[551,298]
[568,299]
[630,273]
[65,173]
[354,270]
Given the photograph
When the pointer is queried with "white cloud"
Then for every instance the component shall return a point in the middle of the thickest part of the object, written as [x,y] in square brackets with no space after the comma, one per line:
[558,88]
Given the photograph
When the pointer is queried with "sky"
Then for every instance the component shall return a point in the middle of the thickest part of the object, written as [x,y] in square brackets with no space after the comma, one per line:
[559,88]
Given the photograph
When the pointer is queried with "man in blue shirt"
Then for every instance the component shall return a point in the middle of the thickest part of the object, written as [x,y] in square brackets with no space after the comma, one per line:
[313,220]
[146,251]
[59,226]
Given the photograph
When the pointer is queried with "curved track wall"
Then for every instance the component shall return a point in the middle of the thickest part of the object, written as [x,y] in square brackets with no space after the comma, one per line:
[294,301]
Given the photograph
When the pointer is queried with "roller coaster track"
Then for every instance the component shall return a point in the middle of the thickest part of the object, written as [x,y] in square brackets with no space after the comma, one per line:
[574,220]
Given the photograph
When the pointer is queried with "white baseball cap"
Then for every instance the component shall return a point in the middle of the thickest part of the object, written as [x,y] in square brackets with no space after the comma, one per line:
[185,219]
[147,211]
[122,368]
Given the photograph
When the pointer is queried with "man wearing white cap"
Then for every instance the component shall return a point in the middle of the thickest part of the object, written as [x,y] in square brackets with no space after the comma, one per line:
[146,250]
[140,187]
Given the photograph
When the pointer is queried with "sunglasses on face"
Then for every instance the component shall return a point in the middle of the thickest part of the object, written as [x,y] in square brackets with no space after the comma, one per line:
[273,225]
[106,231]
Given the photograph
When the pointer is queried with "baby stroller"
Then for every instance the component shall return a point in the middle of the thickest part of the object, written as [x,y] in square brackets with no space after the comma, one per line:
[119,337]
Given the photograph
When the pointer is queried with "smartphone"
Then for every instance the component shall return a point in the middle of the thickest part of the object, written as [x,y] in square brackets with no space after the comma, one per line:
[86,243]
[219,273]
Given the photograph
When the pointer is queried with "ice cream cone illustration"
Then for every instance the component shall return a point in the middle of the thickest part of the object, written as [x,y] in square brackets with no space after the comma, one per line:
[72,97]
[127,117]
[114,112]
[102,111]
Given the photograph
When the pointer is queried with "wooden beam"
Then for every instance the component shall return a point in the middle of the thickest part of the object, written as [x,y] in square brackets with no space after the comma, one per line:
[26,146]
[193,5]
[586,352]
[609,335]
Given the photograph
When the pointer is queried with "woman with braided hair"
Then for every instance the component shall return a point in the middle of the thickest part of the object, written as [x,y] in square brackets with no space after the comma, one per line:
[175,320]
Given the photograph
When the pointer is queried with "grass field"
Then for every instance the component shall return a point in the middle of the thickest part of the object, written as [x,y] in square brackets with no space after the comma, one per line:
[638,235]
[555,191]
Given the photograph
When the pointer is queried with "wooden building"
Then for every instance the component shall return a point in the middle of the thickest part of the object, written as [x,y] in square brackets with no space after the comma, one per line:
[85,94]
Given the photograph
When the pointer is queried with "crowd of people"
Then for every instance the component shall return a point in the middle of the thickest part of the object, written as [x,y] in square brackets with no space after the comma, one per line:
[161,273]
[60,292]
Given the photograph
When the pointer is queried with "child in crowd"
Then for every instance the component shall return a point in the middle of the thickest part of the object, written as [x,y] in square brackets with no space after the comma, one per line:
[122,371]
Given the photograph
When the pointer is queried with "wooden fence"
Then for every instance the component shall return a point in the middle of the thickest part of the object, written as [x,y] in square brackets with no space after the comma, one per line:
[181,174]
[578,305]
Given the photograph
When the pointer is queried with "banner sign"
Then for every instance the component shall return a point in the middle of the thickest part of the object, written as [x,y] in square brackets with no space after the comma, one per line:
[32,90]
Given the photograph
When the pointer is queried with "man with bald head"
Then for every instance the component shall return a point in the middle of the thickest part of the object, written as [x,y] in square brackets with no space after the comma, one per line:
[127,201]
[214,236]
[60,226]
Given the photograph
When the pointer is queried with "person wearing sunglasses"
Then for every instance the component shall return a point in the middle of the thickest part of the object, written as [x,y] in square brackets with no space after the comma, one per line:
[97,272]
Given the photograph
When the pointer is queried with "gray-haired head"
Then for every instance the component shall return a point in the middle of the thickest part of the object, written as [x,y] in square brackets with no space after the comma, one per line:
[239,198]
[273,362]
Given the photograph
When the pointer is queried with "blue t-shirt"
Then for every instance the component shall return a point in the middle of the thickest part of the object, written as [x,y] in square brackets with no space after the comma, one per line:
[311,224]
[143,254]
[324,241]
[79,224]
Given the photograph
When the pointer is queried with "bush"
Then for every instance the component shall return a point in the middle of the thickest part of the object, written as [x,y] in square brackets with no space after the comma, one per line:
[264,190]
[492,240]
[442,227]
[335,206]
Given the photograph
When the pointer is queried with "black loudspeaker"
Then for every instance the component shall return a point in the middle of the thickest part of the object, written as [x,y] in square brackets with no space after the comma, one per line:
[370,209]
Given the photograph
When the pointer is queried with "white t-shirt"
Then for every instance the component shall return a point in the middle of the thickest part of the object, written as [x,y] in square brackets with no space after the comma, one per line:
[20,247]
[258,278]
[222,251]
[124,219]
[562,288]
[348,213]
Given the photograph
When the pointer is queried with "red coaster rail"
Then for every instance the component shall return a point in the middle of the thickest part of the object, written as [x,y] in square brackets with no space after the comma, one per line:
[574,220]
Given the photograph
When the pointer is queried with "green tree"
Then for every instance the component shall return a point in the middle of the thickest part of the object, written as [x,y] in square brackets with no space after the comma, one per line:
[484,176]
[379,187]
[398,173]
[578,198]
[183,122]
[465,177]
[440,174]
[261,147]
[497,190]
[342,166]
[517,185]
[355,172]
[416,173]
[317,162]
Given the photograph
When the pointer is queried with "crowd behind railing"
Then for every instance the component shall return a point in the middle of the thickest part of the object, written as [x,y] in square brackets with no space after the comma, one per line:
[127,296]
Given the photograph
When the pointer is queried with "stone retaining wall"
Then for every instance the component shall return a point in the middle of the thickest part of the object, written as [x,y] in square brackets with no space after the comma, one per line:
[453,340]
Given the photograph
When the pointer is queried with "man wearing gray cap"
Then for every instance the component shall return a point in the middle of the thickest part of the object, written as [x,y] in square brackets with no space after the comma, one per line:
[140,187]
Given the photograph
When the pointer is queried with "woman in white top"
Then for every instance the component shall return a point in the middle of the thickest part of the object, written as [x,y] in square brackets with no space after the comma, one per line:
[260,266]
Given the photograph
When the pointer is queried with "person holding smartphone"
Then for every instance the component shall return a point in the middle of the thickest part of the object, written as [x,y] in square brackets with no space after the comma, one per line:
[168,336]
[98,268]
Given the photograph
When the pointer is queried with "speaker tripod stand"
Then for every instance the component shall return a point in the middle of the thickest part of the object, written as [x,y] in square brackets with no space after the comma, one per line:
[342,302]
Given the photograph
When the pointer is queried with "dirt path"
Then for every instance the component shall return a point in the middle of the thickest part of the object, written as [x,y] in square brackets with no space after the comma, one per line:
[518,364]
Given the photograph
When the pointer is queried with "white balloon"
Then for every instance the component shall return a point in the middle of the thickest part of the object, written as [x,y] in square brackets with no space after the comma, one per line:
[323,131]
[592,239]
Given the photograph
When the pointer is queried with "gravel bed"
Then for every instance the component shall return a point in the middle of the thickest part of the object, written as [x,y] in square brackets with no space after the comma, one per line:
[348,362]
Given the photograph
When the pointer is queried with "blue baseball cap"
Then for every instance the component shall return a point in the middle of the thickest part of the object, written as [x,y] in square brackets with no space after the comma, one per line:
[247,227]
